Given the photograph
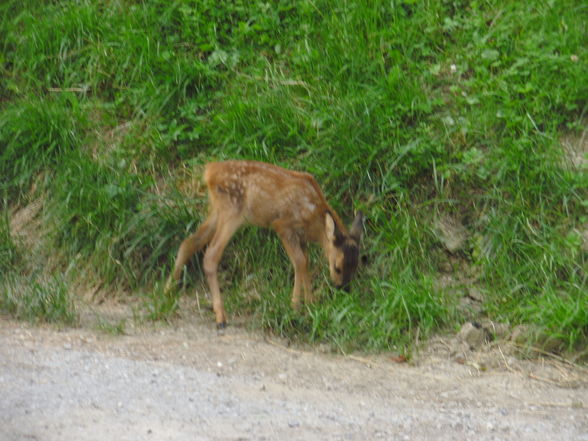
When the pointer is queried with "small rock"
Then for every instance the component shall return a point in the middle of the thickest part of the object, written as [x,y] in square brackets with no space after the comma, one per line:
[520,334]
[470,308]
[477,295]
[451,233]
[473,335]
[496,330]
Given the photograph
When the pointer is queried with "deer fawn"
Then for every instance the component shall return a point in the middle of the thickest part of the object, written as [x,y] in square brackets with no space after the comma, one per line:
[290,202]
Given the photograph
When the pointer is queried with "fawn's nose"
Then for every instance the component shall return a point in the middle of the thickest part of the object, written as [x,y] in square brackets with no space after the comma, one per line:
[344,286]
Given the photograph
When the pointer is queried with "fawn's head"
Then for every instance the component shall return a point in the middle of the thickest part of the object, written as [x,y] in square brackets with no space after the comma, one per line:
[342,249]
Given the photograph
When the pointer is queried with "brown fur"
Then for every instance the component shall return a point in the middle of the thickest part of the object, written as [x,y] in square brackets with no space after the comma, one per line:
[289,202]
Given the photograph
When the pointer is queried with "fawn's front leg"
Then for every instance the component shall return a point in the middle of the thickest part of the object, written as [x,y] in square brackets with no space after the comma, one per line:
[212,256]
[296,250]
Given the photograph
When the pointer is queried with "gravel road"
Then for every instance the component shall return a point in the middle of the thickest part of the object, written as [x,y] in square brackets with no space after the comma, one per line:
[183,382]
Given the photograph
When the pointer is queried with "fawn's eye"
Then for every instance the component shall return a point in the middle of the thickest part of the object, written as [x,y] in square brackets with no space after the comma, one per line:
[338,270]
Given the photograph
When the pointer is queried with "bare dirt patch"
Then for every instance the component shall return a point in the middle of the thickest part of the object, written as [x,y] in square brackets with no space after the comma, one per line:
[576,147]
[25,223]
[182,381]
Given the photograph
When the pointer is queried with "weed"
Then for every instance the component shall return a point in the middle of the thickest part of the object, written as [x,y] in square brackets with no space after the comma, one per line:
[160,304]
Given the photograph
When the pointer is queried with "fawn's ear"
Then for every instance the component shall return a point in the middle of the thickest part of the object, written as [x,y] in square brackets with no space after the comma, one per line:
[330,227]
[357,227]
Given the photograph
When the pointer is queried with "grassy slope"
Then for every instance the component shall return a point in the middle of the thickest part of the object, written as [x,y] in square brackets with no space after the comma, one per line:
[411,111]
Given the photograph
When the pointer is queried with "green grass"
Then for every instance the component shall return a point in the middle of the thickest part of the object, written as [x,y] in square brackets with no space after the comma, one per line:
[34,134]
[159,304]
[9,252]
[30,295]
[38,300]
[116,329]
[410,111]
